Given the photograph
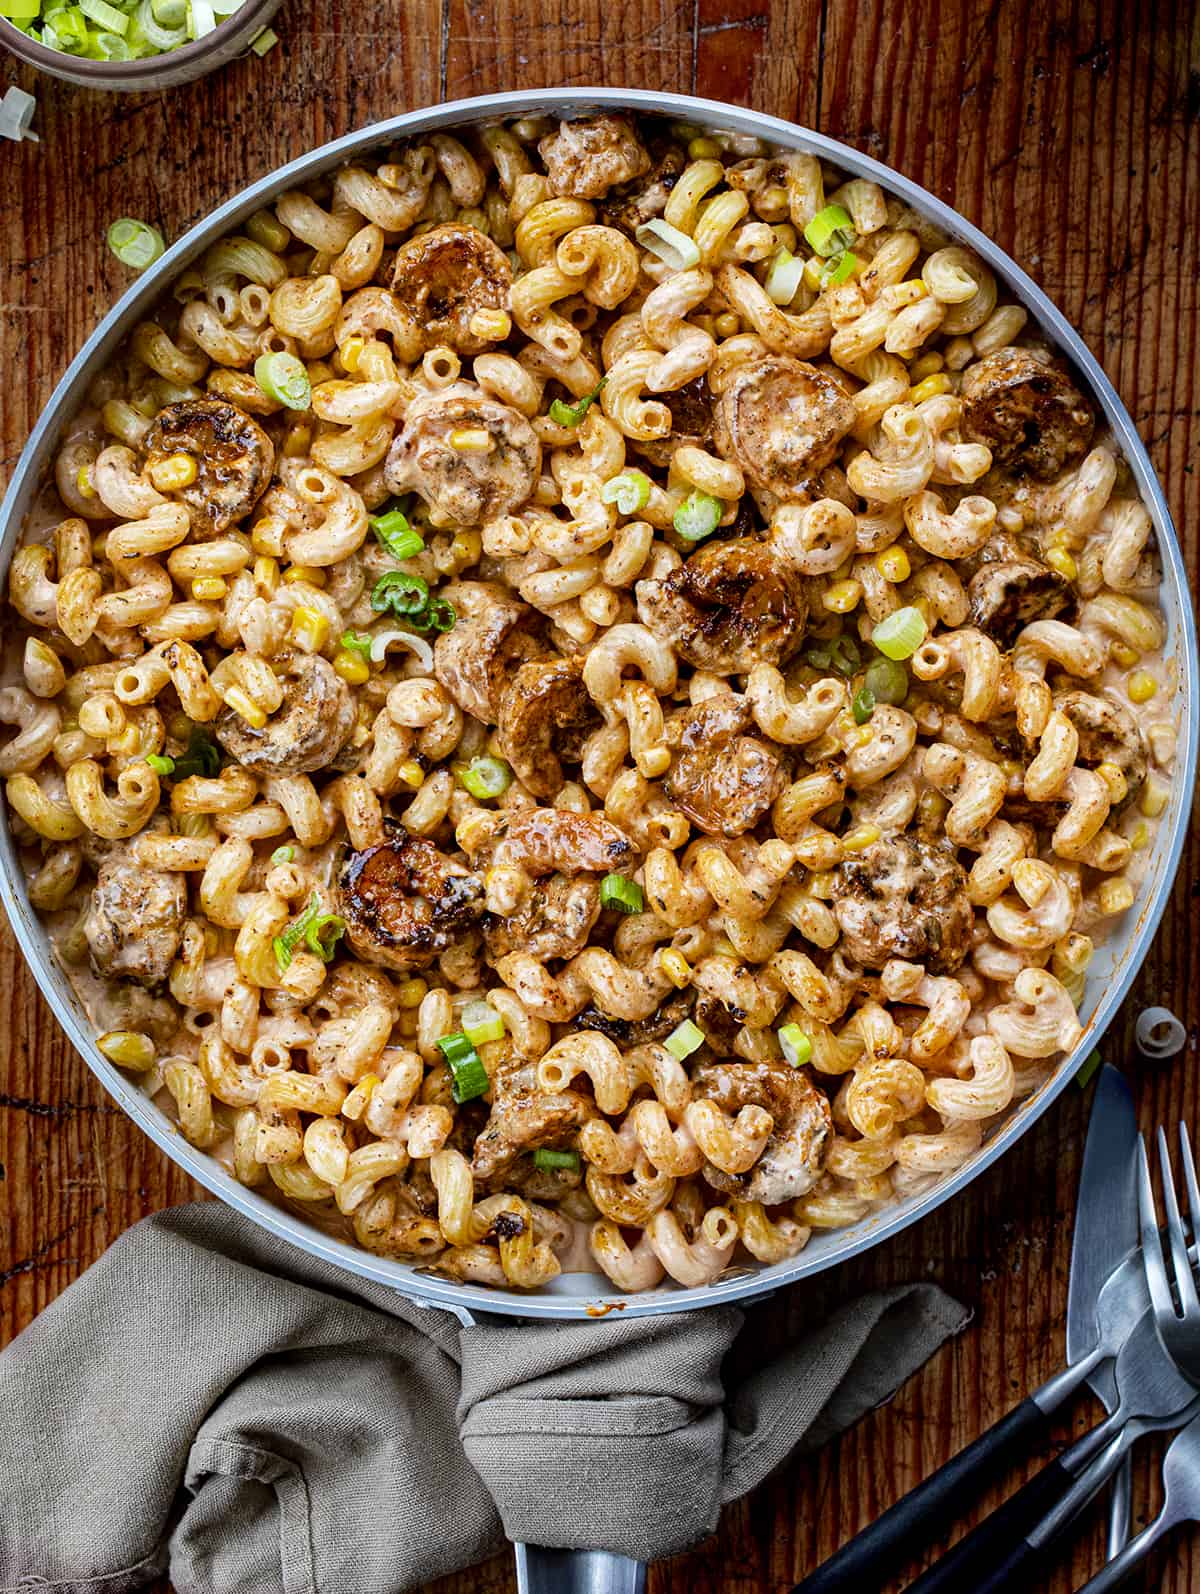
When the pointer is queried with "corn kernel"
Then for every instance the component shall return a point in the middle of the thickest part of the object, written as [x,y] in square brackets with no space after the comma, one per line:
[310,629]
[1113,777]
[929,387]
[893,565]
[493,326]
[1141,686]
[351,353]
[820,885]
[912,290]
[266,537]
[471,440]
[676,967]
[728,324]
[1059,559]
[1154,797]
[1123,655]
[1030,881]
[411,993]
[927,365]
[355,1103]
[309,574]
[704,149]
[1115,896]
[933,808]
[209,589]
[465,549]
[1139,837]
[83,482]
[353,669]
[863,836]
[856,736]
[266,577]
[169,475]
[297,442]
[411,773]
[127,1049]
[244,705]
[842,596]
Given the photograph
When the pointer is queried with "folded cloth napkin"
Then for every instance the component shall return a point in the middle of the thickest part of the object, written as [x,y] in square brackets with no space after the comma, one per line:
[207,1401]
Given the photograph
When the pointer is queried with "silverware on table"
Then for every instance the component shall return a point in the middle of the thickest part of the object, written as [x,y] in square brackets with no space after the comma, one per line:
[1106,1230]
[1178,1328]
[1181,1480]
[1106,1302]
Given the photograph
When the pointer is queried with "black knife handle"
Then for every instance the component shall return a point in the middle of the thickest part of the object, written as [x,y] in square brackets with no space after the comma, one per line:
[871,1557]
[987,1559]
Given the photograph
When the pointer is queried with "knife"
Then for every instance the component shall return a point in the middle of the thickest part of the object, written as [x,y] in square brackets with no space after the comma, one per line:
[1105,1230]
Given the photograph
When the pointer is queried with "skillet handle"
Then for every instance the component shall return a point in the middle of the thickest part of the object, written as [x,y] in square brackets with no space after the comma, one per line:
[542,1571]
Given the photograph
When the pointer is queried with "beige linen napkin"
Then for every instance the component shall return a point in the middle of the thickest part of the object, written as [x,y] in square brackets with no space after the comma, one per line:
[209,1402]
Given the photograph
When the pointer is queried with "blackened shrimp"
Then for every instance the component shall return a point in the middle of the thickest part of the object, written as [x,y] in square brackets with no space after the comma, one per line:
[405,902]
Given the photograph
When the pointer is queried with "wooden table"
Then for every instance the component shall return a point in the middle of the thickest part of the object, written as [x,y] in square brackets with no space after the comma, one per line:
[1071,134]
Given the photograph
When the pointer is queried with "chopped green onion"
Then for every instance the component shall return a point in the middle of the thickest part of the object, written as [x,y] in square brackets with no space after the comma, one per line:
[1090,1064]
[783,279]
[160,764]
[840,269]
[20,10]
[564,414]
[203,757]
[284,855]
[900,634]
[263,41]
[630,491]
[549,1161]
[156,30]
[201,21]
[284,945]
[398,592]
[323,934]
[618,892]
[135,243]
[354,643]
[863,705]
[795,1045]
[844,655]
[698,516]
[283,378]
[673,247]
[887,679]
[396,535]
[830,231]
[469,1076]
[67,30]
[481,1023]
[820,658]
[484,778]
[104,15]
[170,13]
[442,614]
[110,47]
[684,1039]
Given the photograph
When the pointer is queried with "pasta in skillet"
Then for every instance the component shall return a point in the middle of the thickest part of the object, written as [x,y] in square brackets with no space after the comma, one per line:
[586,684]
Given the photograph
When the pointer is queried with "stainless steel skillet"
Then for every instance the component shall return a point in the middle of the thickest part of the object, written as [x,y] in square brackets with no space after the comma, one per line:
[1115,967]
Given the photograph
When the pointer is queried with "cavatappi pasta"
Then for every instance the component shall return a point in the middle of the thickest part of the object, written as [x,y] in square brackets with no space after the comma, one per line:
[592,681]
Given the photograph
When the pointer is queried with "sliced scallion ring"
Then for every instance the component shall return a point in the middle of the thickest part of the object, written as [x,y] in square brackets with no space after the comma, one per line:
[548,1160]
[105,16]
[383,640]
[284,855]
[840,269]
[630,491]
[481,1023]
[283,378]
[135,243]
[616,891]
[685,1039]
[830,231]
[469,1076]
[201,18]
[863,705]
[783,279]
[159,33]
[887,680]
[900,634]
[698,516]
[671,246]
[795,1045]
[484,778]
[396,535]
[564,414]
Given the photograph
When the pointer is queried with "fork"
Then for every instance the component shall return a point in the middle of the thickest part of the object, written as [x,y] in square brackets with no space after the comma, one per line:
[1178,1329]
[1181,1478]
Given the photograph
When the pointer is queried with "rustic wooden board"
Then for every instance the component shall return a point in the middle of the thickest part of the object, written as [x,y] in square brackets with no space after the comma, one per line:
[1070,133]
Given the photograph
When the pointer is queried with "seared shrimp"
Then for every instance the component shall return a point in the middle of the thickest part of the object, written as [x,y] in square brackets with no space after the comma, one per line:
[731,606]
[791,1161]
[405,903]
[903,898]
[234,460]
[546,716]
[306,732]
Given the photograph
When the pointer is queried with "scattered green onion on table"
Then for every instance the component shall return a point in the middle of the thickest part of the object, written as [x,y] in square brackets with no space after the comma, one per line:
[117,30]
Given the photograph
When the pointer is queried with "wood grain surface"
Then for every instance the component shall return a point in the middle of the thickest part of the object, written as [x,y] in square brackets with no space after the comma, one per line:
[1070,132]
